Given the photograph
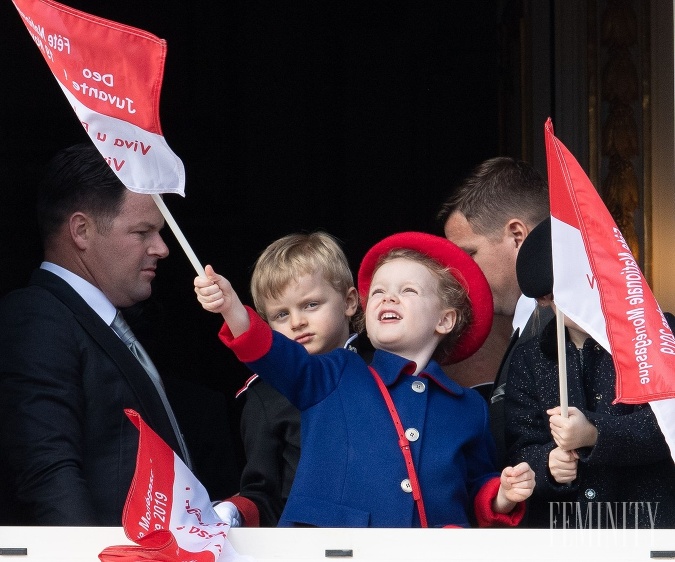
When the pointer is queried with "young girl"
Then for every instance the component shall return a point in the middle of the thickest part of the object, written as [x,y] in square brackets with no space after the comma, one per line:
[606,464]
[396,443]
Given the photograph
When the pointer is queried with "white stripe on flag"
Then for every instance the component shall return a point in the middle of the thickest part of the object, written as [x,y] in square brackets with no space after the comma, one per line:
[576,293]
[142,160]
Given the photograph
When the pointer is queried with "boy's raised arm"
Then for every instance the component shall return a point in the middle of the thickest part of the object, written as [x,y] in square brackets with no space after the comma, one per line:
[215,293]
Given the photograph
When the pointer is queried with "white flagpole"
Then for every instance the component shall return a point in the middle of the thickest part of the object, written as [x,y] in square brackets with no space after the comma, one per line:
[562,360]
[168,217]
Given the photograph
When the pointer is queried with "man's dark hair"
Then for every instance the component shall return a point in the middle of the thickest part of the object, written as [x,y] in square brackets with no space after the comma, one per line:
[496,191]
[78,179]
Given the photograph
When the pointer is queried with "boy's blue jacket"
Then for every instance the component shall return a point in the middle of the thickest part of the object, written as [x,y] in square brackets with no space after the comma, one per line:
[351,467]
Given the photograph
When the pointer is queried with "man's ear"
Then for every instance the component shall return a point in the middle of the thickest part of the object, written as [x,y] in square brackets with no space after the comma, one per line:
[517,230]
[81,228]
[447,321]
[351,302]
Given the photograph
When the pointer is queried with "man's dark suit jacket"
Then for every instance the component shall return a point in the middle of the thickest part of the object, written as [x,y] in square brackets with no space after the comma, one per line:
[67,450]
[535,324]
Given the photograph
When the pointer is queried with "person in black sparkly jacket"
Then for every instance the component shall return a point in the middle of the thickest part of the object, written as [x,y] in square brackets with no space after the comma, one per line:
[614,468]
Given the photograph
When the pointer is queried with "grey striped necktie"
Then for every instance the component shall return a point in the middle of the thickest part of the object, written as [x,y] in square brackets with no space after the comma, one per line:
[124,332]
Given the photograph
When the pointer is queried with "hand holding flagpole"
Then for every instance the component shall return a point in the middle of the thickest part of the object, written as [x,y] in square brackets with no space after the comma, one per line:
[599,285]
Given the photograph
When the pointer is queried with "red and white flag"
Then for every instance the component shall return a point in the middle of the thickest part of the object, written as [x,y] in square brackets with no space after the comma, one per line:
[598,285]
[112,76]
[168,513]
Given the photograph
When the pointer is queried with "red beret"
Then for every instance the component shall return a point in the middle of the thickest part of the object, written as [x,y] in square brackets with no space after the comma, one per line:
[463,268]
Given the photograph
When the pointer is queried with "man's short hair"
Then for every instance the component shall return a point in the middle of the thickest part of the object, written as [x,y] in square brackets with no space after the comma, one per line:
[496,191]
[294,255]
[78,178]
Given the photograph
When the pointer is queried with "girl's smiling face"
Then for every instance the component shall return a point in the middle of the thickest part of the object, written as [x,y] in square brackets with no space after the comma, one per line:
[404,312]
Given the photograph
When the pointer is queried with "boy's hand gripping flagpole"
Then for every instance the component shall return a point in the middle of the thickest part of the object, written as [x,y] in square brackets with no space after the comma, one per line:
[111,74]
[598,284]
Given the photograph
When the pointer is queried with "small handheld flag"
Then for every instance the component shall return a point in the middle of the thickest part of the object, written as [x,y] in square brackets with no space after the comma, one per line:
[111,74]
[168,512]
[598,284]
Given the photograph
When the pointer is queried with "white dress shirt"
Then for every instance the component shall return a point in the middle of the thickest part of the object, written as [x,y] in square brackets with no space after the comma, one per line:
[524,309]
[93,296]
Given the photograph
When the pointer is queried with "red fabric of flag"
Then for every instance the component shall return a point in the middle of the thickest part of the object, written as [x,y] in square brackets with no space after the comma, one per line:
[599,285]
[111,74]
[168,513]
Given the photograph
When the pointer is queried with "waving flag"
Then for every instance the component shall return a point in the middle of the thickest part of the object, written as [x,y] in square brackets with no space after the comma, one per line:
[112,76]
[598,284]
[168,512]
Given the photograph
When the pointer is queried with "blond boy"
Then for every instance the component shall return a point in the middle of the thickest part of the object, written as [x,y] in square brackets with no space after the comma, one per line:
[302,287]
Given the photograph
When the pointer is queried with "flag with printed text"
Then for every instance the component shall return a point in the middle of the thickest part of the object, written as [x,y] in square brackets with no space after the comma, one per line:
[111,74]
[598,284]
[168,513]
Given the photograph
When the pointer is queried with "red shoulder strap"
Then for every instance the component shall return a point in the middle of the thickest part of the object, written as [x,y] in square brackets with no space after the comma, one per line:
[404,444]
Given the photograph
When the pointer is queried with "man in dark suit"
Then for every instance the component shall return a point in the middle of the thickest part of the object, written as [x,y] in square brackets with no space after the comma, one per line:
[489,215]
[67,449]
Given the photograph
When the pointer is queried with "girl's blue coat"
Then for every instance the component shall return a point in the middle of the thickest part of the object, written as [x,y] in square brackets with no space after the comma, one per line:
[351,467]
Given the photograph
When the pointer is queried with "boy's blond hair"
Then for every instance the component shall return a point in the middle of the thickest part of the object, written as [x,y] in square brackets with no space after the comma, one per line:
[294,255]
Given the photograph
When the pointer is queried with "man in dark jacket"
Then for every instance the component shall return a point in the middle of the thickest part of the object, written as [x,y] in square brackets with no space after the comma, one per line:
[68,450]
[489,215]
